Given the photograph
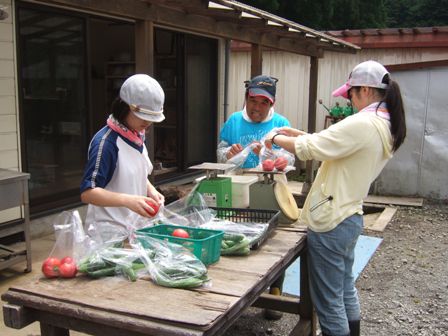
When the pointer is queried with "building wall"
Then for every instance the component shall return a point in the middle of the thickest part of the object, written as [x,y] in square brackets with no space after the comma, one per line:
[9,124]
[293,74]
[292,88]
[335,67]
[413,171]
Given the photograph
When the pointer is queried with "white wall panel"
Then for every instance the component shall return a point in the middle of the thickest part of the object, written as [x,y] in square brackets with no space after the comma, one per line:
[9,160]
[7,88]
[292,88]
[8,105]
[239,72]
[6,50]
[8,141]
[7,68]
[9,152]
[7,123]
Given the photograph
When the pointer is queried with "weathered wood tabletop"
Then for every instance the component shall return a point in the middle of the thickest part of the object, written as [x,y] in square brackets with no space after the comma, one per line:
[115,306]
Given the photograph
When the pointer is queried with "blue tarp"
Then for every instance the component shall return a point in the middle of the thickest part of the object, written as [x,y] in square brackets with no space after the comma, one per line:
[364,250]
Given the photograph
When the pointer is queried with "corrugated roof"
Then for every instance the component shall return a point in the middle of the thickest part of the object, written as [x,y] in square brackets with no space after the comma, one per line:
[234,20]
[281,23]
[418,37]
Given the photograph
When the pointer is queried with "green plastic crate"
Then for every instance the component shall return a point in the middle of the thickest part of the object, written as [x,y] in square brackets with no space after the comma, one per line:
[205,244]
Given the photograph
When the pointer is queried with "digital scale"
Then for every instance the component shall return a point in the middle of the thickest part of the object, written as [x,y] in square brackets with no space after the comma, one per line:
[273,195]
[216,191]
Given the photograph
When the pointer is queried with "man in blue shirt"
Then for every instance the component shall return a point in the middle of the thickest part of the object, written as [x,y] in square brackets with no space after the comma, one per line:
[252,123]
[249,126]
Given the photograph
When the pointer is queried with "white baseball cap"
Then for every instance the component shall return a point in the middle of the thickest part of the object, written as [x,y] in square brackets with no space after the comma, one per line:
[145,97]
[369,73]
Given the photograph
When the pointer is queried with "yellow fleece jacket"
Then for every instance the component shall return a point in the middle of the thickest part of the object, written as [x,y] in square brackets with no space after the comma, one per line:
[353,151]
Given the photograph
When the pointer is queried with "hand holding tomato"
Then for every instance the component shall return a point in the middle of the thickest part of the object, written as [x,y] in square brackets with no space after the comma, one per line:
[153,207]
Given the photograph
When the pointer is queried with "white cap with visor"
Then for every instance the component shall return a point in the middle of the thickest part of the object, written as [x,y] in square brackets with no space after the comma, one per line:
[145,97]
[369,73]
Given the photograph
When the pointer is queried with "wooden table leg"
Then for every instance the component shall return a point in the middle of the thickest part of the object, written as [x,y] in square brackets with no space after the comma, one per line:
[50,330]
[308,320]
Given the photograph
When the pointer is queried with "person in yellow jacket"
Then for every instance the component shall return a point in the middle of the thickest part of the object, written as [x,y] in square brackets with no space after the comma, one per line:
[353,153]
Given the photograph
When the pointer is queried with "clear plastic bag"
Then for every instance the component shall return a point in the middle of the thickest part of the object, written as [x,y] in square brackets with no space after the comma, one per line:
[191,210]
[239,159]
[71,245]
[280,152]
[238,237]
[170,265]
[275,152]
[71,240]
[110,261]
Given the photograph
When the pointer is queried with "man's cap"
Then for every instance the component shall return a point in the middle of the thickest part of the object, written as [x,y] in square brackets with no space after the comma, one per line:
[369,73]
[262,85]
[145,97]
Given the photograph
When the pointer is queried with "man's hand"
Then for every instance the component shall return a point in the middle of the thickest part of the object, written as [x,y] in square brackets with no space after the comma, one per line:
[257,147]
[234,150]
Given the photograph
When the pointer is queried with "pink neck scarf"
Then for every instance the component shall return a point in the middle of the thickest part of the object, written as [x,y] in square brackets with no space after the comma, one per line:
[131,135]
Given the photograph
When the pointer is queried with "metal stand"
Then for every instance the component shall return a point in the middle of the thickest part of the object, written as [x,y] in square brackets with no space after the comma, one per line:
[14,193]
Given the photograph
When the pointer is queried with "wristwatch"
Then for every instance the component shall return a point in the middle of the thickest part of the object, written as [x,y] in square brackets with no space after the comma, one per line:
[272,139]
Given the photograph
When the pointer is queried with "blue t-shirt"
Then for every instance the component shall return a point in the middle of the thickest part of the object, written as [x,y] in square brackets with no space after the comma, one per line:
[237,130]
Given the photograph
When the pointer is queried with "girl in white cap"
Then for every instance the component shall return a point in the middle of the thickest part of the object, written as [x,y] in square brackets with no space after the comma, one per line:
[115,182]
[353,153]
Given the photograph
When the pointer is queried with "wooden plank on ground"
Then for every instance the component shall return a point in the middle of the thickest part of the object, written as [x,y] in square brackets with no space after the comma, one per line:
[370,219]
[404,201]
[383,219]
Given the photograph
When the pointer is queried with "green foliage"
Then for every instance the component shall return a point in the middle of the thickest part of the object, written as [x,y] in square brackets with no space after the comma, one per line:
[416,13]
[358,14]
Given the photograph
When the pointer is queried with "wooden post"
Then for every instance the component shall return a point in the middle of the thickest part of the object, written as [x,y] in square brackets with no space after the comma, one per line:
[256,60]
[312,98]
[144,63]
[144,47]
[306,305]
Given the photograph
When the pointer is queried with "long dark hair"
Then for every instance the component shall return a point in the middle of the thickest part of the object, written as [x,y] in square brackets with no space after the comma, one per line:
[120,110]
[392,98]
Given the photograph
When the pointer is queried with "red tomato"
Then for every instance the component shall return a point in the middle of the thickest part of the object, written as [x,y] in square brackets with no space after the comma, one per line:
[68,270]
[155,208]
[50,267]
[68,260]
[181,233]
[268,165]
[280,163]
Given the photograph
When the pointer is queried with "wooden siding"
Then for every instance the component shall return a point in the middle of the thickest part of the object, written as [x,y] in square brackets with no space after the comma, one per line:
[9,149]
[293,74]
[292,89]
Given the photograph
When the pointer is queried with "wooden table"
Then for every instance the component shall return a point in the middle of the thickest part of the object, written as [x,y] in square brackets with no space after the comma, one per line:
[114,306]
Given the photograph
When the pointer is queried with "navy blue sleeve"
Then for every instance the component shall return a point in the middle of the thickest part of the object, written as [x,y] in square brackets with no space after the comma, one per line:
[101,163]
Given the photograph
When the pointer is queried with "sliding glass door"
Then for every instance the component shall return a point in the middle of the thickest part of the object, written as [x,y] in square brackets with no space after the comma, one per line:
[53,101]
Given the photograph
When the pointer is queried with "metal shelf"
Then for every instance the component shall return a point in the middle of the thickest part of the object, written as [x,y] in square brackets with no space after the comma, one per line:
[14,193]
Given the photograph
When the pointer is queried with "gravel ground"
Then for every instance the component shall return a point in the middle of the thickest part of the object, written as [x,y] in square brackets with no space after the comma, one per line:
[404,288]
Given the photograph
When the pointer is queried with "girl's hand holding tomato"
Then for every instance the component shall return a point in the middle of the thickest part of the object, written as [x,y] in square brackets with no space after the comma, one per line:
[153,207]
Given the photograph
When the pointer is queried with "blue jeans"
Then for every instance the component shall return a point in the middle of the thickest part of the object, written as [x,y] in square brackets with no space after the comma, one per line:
[332,284]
